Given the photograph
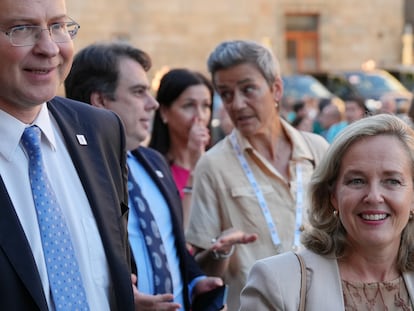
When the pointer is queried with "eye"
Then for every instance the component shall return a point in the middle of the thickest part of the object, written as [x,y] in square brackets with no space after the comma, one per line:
[23,30]
[188,105]
[248,89]
[355,182]
[58,26]
[139,91]
[393,182]
[206,106]
[226,96]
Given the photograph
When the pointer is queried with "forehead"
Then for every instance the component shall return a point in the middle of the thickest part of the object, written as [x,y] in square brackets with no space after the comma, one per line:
[370,150]
[237,74]
[131,72]
[34,10]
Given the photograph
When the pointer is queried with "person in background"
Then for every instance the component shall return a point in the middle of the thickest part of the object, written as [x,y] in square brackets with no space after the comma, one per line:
[181,126]
[354,109]
[332,120]
[113,77]
[252,184]
[359,249]
[55,154]
[388,104]
[303,123]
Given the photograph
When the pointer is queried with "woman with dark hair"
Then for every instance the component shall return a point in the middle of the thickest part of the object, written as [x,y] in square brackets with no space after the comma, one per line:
[181,124]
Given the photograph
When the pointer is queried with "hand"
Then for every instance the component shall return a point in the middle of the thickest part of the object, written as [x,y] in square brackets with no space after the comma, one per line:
[207,284]
[144,302]
[198,139]
[229,238]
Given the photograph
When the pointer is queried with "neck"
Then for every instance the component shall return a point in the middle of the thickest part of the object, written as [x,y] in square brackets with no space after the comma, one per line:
[267,142]
[179,154]
[363,266]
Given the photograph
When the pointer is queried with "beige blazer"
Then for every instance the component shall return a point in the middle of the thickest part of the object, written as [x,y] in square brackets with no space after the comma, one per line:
[274,284]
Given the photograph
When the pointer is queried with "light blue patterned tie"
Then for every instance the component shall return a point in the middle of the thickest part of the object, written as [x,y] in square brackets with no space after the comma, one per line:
[62,267]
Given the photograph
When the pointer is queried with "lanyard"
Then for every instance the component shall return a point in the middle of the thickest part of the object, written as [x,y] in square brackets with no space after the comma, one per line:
[262,202]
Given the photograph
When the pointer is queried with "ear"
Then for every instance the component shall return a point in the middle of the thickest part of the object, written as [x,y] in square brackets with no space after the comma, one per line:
[333,200]
[277,89]
[163,114]
[97,100]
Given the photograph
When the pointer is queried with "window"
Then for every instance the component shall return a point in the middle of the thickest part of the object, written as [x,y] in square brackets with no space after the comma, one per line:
[302,42]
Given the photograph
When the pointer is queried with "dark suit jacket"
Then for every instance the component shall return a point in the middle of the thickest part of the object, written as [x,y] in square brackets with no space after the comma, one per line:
[153,161]
[101,166]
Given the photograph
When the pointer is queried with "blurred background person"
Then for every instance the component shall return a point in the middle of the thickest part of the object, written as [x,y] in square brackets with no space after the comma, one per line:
[302,120]
[388,104]
[303,123]
[181,126]
[332,119]
[359,249]
[355,109]
[252,184]
[317,126]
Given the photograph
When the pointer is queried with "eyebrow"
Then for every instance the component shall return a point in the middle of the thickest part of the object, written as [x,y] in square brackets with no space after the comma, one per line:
[31,20]
[240,82]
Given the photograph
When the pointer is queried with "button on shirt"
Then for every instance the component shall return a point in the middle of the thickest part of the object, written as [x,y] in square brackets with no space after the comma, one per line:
[162,215]
[72,199]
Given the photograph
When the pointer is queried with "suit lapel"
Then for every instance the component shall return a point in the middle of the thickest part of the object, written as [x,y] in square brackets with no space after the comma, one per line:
[14,244]
[159,172]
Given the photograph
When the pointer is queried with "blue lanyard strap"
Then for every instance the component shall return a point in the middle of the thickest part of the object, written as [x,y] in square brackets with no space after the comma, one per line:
[262,202]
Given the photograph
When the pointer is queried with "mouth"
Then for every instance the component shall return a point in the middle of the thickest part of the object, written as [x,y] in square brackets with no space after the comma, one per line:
[243,118]
[374,217]
[40,71]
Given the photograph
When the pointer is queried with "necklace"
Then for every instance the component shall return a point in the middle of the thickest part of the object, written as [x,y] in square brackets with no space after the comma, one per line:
[392,295]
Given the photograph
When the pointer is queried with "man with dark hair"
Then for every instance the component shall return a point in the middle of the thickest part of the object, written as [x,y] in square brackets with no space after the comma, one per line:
[113,76]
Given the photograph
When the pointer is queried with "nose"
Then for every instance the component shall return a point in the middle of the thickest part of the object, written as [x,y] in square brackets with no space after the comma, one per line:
[200,112]
[374,194]
[45,44]
[238,101]
[152,103]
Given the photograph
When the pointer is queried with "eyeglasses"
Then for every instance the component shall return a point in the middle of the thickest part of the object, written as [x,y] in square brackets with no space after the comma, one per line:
[29,35]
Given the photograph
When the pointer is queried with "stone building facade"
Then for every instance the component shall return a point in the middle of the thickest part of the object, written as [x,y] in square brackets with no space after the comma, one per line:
[181,33]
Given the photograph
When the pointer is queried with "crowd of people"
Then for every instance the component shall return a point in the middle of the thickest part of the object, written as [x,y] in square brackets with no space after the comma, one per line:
[123,226]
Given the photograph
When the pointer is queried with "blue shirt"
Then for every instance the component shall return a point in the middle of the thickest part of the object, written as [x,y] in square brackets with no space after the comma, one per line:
[162,215]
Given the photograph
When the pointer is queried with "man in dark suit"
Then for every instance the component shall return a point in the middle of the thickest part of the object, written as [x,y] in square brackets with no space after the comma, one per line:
[82,165]
[113,76]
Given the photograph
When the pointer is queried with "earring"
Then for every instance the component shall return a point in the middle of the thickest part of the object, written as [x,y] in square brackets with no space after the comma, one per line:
[335,213]
[411,215]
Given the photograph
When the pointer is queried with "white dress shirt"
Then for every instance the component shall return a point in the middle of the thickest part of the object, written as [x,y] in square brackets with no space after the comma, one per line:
[72,199]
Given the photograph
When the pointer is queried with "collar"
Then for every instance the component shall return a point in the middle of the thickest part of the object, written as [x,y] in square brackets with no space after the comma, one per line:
[300,149]
[12,130]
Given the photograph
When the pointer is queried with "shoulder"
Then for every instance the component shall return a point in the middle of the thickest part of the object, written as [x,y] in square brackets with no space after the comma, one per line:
[79,110]
[273,281]
[152,157]
[315,144]
[151,154]
[221,152]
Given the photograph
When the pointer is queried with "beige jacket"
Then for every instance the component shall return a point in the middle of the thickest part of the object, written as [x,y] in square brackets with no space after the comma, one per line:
[274,284]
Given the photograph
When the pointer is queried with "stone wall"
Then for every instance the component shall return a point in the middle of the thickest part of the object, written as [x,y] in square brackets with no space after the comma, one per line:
[181,33]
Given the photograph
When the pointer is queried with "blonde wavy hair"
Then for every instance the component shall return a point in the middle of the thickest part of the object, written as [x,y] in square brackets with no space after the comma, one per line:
[327,235]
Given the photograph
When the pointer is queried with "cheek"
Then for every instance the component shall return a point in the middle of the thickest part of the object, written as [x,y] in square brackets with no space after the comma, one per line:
[183,118]
[66,52]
